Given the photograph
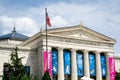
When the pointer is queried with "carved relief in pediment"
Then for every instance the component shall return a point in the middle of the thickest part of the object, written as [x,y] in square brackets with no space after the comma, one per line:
[79,35]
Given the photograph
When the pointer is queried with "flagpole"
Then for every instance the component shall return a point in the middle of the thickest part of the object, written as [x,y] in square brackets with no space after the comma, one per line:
[46,38]
[47,19]
[46,29]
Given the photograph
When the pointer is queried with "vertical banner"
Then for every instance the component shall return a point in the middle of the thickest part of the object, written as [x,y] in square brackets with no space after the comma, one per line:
[92,64]
[67,65]
[103,65]
[48,62]
[112,68]
[54,61]
[80,70]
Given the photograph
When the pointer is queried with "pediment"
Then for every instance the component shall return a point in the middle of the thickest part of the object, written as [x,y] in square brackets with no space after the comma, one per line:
[75,32]
[81,32]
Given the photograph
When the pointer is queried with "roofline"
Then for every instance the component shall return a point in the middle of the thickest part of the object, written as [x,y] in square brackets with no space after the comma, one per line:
[77,26]
[68,27]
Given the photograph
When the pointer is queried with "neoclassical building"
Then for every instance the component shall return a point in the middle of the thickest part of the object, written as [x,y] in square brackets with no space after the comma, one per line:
[75,51]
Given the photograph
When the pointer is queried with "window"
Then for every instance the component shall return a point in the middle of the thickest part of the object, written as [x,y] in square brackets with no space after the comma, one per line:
[27,70]
[7,70]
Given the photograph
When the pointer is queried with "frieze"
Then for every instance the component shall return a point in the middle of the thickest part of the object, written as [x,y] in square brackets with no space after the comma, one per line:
[83,42]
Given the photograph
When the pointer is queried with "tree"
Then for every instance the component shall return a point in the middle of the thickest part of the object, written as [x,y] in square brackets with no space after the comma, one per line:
[16,70]
[117,76]
[46,76]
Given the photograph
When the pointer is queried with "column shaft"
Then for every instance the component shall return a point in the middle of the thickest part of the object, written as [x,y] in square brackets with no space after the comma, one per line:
[74,65]
[107,65]
[60,64]
[98,67]
[86,64]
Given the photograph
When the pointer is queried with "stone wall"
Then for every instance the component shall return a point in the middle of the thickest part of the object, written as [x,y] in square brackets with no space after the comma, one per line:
[30,58]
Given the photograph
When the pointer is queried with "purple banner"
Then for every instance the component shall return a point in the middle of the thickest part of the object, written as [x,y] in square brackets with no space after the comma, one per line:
[112,68]
[48,62]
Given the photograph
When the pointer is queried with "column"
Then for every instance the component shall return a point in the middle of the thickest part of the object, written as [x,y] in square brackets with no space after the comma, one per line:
[73,65]
[107,65]
[60,64]
[98,66]
[86,64]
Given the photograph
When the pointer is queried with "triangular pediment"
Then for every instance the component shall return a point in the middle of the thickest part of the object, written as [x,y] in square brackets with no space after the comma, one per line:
[80,32]
[73,32]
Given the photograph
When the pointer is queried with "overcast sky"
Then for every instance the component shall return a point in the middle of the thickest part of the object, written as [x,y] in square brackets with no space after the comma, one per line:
[102,16]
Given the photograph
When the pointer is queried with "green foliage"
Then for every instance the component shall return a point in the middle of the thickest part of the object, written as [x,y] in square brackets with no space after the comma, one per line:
[16,68]
[117,76]
[46,76]
[16,64]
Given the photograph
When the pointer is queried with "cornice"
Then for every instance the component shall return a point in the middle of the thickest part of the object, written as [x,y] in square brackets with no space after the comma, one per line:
[100,35]
[77,27]
[68,39]
[117,56]
[38,35]
[82,39]
[2,46]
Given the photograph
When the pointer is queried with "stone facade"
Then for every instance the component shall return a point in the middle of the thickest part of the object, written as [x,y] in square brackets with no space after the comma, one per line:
[29,60]
[72,38]
[117,62]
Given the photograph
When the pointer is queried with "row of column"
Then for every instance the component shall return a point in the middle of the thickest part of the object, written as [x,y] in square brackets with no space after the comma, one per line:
[74,65]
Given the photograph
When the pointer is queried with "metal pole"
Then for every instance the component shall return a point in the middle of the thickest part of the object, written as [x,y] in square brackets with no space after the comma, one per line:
[46,37]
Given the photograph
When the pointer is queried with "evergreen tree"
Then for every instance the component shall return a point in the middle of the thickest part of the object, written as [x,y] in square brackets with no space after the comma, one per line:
[46,76]
[117,76]
[16,70]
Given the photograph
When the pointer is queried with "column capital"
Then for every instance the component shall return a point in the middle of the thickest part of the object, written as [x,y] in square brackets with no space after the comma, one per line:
[97,52]
[110,53]
[72,49]
[60,48]
[106,54]
[49,48]
[85,51]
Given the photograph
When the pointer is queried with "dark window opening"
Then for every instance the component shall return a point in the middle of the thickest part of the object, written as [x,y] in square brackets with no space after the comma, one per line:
[54,77]
[7,70]
[67,77]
